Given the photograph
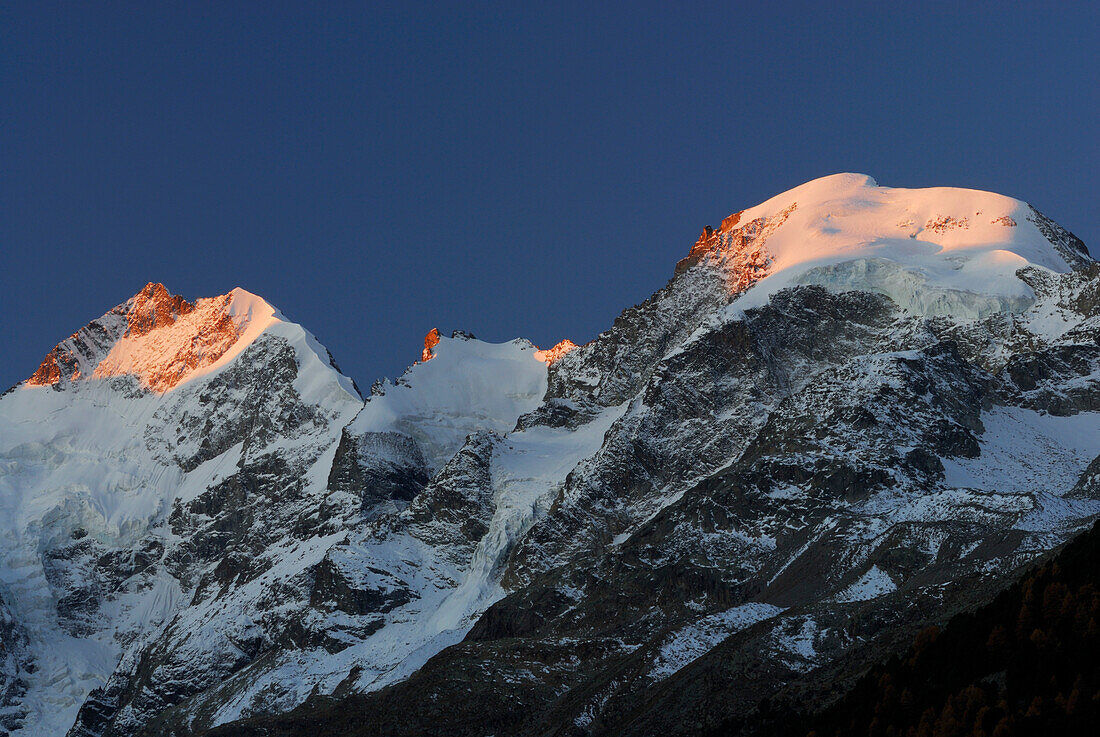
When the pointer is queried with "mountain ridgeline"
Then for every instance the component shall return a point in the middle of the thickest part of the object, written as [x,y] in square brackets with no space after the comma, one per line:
[853,413]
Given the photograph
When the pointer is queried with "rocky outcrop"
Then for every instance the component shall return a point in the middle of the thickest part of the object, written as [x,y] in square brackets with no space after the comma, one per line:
[739,248]
[556,353]
[1069,246]
[15,662]
[431,340]
[152,308]
[381,469]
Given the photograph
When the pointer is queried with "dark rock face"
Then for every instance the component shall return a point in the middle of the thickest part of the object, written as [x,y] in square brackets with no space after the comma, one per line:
[647,453]
[1069,246]
[335,589]
[631,349]
[86,575]
[378,468]
[1062,380]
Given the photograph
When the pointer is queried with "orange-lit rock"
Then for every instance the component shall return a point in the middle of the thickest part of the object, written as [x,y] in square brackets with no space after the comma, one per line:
[738,248]
[431,340]
[706,242]
[709,240]
[730,222]
[171,350]
[943,223]
[49,371]
[156,336]
[154,307]
[550,355]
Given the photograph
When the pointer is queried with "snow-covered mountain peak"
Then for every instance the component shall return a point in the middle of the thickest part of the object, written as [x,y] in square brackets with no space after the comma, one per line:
[939,250]
[160,338]
[206,523]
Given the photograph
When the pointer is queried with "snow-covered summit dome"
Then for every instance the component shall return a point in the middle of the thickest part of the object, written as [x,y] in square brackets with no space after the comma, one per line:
[940,250]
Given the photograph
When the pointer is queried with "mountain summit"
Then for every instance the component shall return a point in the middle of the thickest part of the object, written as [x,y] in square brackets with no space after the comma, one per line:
[941,250]
[160,339]
[852,412]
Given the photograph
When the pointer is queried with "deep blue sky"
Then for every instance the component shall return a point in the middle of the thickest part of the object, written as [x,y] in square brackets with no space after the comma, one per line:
[376,170]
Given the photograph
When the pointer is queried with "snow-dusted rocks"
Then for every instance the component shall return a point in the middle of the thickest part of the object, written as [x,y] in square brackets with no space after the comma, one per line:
[852,411]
